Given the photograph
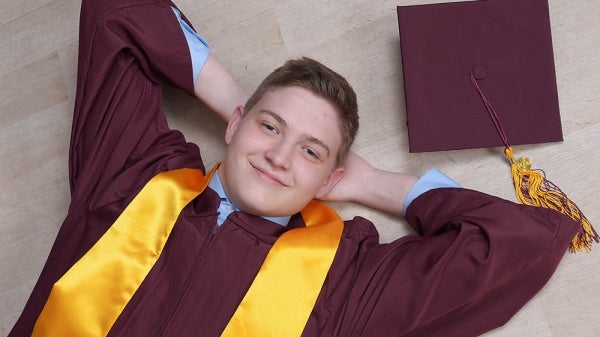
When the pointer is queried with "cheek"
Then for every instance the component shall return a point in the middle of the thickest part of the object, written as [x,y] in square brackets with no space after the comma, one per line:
[311,178]
[245,142]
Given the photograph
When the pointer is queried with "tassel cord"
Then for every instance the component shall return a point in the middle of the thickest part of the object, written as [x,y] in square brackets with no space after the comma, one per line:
[532,187]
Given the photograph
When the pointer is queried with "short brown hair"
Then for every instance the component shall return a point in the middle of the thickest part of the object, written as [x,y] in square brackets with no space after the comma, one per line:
[323,82]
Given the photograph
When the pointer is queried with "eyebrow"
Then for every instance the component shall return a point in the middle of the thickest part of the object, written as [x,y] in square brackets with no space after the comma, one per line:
[307,137]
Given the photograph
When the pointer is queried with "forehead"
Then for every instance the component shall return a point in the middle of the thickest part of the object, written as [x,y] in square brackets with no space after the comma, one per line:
[302,110]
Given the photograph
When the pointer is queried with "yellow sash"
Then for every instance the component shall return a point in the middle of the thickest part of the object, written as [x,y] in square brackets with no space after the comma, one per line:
[91,295]
[285,290]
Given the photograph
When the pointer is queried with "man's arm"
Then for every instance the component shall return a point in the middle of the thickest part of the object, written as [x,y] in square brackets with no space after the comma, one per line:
[474,262]
[218,90]
[387,191]
[120,136]
[213,84]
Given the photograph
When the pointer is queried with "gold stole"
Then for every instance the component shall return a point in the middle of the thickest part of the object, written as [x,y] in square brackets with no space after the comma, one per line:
[89,298]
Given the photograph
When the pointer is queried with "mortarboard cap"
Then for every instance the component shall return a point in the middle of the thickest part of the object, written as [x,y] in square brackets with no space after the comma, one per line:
[508,46]
[481,74]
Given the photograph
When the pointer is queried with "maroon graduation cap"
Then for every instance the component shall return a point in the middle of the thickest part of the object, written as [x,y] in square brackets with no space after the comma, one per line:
[481,74]
[508,44]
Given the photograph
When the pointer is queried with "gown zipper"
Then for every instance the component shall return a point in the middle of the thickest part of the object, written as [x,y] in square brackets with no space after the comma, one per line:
[193,276]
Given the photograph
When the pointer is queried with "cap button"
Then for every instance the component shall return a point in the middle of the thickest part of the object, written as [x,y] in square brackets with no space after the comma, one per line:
[479,72]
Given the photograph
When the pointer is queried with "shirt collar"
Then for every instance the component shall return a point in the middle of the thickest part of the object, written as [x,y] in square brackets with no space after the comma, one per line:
[216,185]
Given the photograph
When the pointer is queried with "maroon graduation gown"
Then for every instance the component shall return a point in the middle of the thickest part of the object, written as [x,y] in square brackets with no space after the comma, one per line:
[475,260]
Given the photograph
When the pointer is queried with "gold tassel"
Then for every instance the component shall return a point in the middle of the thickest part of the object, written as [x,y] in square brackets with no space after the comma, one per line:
[532,188]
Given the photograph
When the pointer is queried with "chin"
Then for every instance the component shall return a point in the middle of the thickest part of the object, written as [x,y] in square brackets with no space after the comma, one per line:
[264,200]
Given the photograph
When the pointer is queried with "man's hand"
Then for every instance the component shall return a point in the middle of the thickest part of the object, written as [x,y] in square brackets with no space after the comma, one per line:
[356,171]
[364,184]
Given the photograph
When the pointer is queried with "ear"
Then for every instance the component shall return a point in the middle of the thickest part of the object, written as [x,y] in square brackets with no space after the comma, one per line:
[332,179]
[233,123]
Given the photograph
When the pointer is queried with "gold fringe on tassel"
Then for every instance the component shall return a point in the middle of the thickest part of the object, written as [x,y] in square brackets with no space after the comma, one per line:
[532,188]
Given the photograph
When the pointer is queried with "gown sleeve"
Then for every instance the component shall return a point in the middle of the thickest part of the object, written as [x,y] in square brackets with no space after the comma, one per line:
[474,262]
[128,50]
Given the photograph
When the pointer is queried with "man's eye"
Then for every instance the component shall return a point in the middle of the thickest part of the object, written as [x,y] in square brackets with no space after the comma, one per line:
[268,127]
[311,153]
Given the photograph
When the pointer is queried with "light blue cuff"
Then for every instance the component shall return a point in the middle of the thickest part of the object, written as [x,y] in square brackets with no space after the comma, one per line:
[430,180]
[199,49]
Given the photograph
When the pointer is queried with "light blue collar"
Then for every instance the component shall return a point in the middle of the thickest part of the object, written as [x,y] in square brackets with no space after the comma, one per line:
[217,186]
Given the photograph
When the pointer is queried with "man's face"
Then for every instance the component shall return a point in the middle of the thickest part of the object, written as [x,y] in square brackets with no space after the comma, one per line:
[281,153]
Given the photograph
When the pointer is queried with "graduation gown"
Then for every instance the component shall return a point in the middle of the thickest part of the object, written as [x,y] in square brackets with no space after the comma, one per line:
[475,260]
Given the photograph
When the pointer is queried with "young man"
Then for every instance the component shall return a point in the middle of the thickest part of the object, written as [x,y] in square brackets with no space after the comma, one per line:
[476,260]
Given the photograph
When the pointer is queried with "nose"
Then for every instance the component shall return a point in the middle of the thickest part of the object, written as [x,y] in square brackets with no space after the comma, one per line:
[279,156]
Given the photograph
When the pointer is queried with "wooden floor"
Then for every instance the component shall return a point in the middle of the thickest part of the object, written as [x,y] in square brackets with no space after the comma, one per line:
[358,38]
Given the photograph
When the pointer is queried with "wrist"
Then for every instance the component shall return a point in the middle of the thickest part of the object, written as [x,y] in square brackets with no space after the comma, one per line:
[385,190]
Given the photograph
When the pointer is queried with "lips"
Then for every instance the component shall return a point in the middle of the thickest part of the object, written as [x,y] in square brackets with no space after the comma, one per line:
[267,176]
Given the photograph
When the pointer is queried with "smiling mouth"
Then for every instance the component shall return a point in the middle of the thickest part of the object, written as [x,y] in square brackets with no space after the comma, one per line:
[268,176]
